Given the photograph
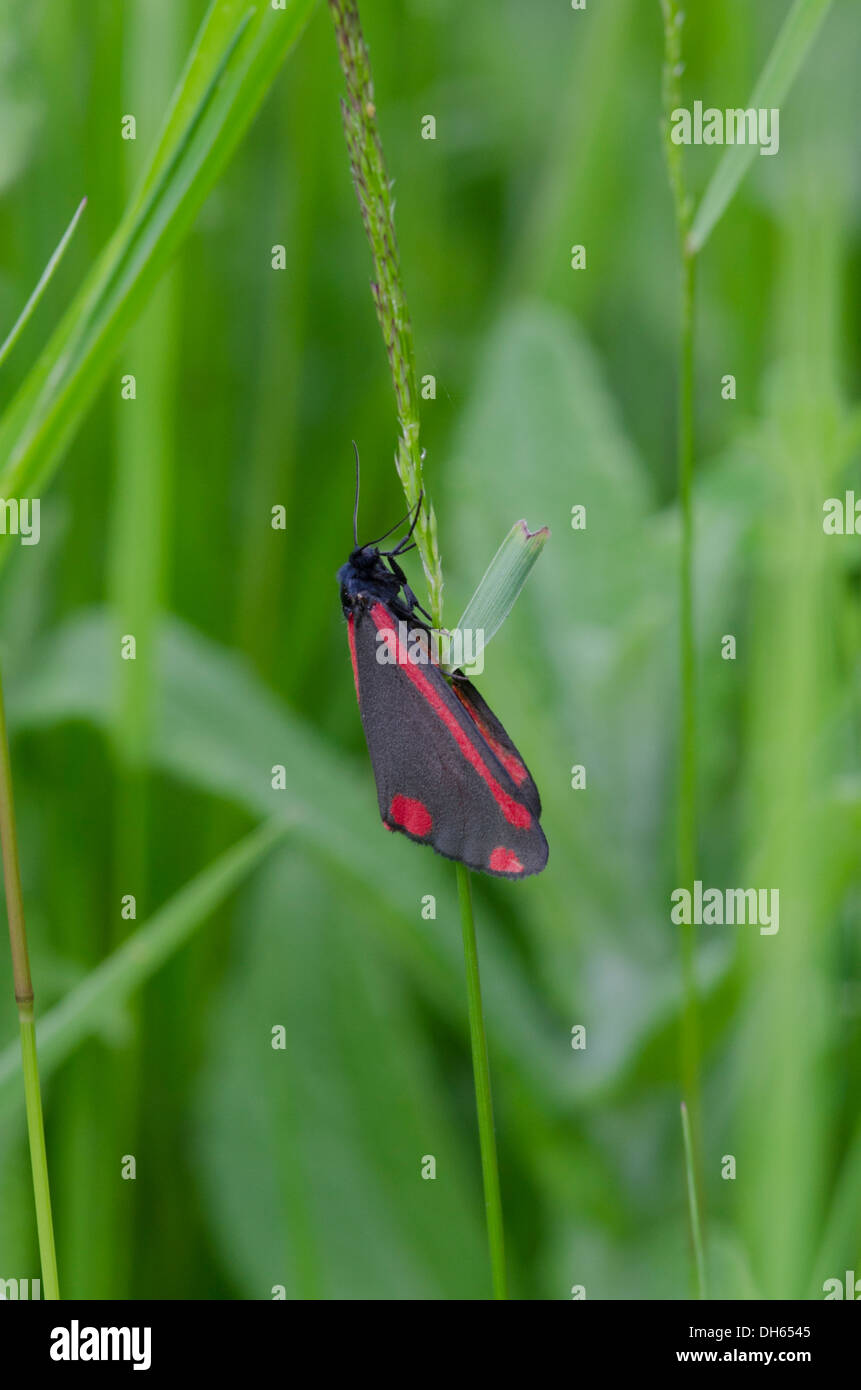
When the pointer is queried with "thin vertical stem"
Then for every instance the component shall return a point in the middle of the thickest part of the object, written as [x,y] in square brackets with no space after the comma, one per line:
[376,204]
[483,1098]
[686,843]
[374,193]
[26,1016]
[693,1203]
[686,822]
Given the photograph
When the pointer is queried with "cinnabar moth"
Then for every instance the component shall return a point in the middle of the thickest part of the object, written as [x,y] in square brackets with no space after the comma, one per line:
[447,773]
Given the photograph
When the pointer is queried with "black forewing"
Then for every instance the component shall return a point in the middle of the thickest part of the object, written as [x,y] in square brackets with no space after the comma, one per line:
[420,759]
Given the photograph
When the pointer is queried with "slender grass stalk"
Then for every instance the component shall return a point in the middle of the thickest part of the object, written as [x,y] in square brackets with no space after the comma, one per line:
[686,822]
[43,282]
[686,848]
[790,49]
[693,1203]
[26,1015]
[374,192]
[483,1098]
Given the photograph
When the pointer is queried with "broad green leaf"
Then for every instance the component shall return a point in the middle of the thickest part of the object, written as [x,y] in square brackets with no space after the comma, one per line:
[233,62]
[500,584]
[791,47]
[310,1146]
[84,1010]
[581,672]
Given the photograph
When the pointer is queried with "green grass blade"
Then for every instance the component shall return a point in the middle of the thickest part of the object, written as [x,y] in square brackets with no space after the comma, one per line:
[43,282]
[126,969]
[502,581]
[483,1097]
[791,47]
[232,65]
[693,1203]
[841,1231]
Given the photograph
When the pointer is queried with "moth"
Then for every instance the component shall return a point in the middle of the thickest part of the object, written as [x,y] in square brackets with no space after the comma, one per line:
[447,773]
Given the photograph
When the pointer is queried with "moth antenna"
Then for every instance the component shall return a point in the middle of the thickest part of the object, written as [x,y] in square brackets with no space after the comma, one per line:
[416,517]
[393,528]
[356,507]
[402,544]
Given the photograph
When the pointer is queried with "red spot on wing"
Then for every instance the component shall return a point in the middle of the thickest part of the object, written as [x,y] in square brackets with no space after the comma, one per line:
[505,861]
[514,812]
[351,633]
[411,815]
[512,764]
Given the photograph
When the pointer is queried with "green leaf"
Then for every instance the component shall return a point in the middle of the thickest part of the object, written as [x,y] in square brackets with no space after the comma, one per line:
[42,284]
[584,659]
[310,1152]
[502,581]
[791,47]
[232,65]
[841,1235]
[85,1009]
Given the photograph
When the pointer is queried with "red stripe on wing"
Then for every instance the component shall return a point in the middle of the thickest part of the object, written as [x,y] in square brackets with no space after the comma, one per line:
[514,812]
[512,764]
[351,633]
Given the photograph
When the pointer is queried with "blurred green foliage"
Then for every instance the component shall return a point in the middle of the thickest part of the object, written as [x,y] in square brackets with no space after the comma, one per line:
[302,1167]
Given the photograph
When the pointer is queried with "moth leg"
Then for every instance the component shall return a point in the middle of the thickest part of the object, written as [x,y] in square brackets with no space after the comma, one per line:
[414,603]
[411,600]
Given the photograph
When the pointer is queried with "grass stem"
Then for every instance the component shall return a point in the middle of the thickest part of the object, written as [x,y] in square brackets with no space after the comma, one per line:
[374,192]
[693,1204]
[377,206]
[26,1015]
[686,803]
[483,1098]
[686,846]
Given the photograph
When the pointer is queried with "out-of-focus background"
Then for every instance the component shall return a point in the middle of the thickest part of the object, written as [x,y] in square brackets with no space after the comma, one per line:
[300,1165]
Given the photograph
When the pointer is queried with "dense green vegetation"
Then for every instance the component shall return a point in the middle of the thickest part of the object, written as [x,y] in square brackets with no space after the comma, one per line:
[301,1166]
